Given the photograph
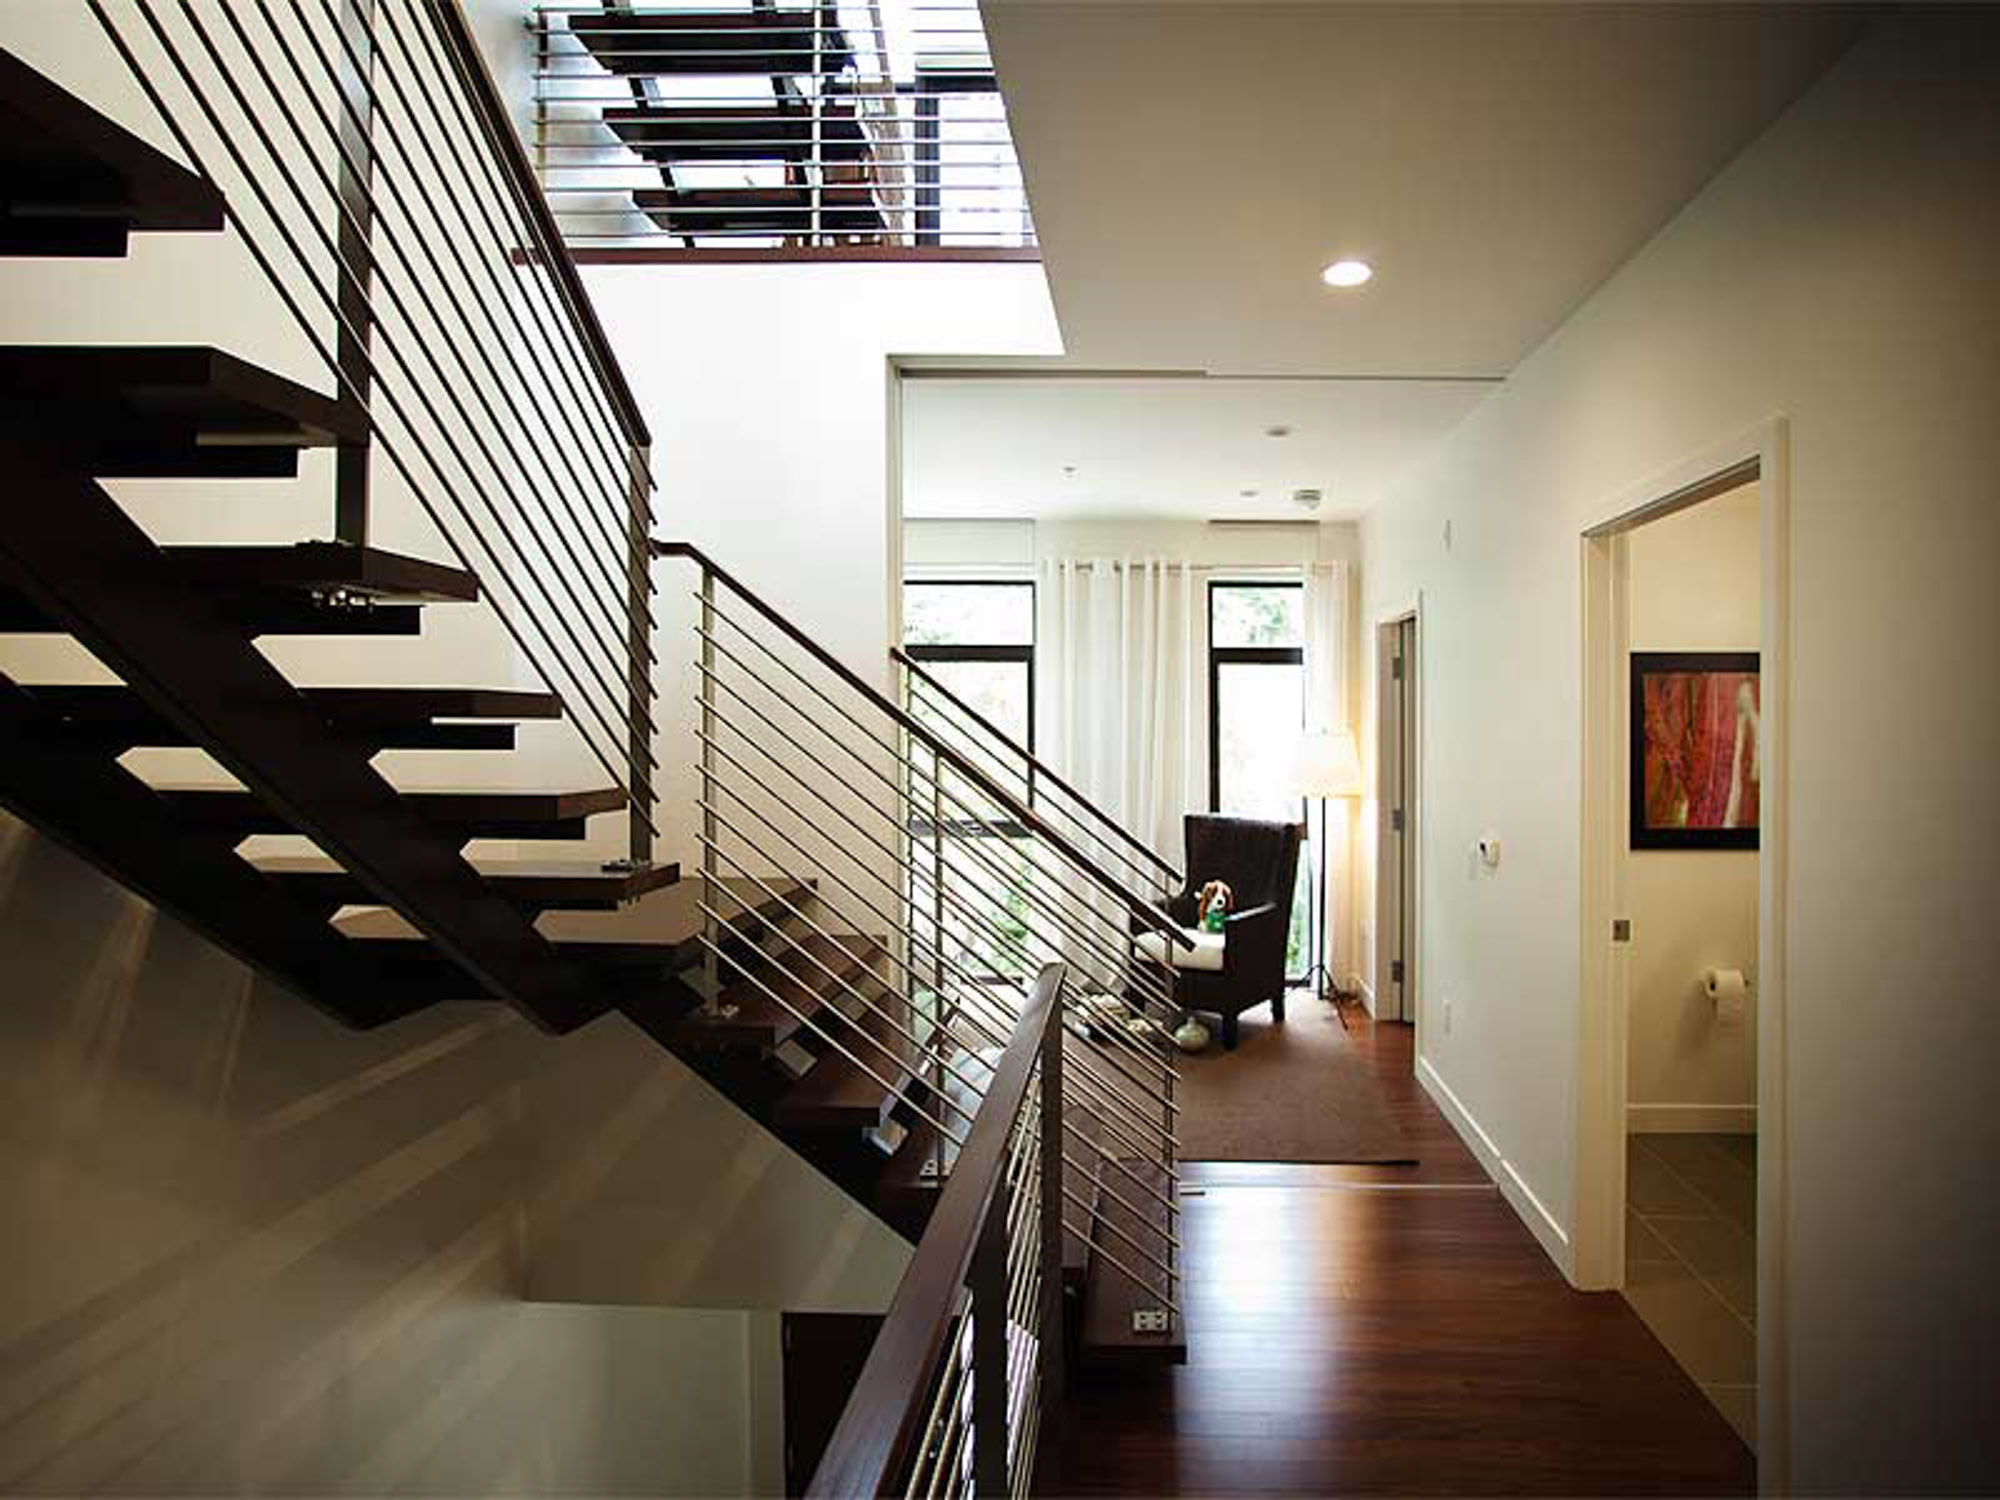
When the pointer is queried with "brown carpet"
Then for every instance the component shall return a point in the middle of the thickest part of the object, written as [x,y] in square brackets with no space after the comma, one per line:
[1294,1090]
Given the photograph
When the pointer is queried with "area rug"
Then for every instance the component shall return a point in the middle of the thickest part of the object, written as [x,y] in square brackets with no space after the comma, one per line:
[1295,1090]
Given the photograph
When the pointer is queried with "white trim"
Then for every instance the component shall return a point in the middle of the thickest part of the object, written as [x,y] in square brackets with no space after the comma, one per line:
[1367,993]
[1531,1211]
[1601,1102]
[1690,1119]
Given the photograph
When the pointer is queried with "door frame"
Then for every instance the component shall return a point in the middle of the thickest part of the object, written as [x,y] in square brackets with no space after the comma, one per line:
[1598,1246]
[1404,894]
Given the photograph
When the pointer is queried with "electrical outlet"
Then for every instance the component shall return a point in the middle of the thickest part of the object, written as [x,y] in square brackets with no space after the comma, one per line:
[1149,1320]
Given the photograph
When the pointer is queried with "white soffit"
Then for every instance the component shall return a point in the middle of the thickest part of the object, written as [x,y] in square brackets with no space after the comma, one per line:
[1193,166]
[1183,447]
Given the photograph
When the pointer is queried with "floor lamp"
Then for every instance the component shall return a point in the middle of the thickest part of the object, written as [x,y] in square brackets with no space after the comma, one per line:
[1329,766]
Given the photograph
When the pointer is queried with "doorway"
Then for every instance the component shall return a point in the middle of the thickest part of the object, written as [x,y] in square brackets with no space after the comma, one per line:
[1679,1160]
[1397,801]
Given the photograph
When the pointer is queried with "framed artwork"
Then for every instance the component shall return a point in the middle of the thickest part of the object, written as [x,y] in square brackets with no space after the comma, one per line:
[1696,750]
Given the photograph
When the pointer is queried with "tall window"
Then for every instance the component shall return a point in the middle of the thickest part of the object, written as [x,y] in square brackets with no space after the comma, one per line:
[1256,712]
[978,639]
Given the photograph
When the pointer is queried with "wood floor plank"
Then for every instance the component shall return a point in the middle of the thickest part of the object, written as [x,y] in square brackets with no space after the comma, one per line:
[1348,1337]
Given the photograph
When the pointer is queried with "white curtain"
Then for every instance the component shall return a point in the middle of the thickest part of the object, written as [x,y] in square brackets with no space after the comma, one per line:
[1118,688]
[1326,647]
[1326,709]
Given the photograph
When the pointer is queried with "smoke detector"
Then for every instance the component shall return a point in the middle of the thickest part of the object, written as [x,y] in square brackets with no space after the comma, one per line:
[1306,500]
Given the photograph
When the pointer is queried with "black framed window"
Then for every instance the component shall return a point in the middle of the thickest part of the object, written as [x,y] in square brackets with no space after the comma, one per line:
[977,637]
[1256,712]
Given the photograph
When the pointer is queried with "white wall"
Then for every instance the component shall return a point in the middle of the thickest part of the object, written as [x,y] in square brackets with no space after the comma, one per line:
[1692,584]
[767,389]
[1839,272]
[248,1251]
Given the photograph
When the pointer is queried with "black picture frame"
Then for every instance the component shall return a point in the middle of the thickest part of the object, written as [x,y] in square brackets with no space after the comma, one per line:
[1645,664]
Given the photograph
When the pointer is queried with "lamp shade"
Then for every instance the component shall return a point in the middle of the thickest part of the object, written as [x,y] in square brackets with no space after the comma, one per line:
[1329,765]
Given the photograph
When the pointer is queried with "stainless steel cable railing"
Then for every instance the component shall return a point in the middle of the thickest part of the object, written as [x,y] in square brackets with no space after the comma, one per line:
[970,1355]
[373,175]
[806,772]
[720,126]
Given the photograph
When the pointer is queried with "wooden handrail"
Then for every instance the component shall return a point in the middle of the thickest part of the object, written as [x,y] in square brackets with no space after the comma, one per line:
[491,108]
[1041,767]
[1147,911]
[885,1413]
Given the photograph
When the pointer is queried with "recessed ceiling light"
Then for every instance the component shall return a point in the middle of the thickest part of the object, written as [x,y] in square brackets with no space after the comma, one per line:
[1347,273]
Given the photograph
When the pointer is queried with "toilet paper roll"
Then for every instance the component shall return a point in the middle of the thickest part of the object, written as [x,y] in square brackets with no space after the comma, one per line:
[1727,991]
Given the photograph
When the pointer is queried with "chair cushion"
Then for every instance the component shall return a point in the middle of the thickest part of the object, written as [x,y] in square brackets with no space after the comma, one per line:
[1206,953]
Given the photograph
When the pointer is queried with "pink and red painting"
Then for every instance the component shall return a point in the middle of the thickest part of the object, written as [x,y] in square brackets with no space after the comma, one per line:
[1696,752]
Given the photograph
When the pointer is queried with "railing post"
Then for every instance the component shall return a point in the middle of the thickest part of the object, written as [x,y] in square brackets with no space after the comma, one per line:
[357,66]
[989,1350]
[1051,1164]
[639,654]
[711,885]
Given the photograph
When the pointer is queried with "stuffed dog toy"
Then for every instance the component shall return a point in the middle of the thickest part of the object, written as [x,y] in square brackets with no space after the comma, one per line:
[1213,904]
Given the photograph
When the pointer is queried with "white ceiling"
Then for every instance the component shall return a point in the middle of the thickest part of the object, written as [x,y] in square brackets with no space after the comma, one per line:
[1173,447]
[1193,166]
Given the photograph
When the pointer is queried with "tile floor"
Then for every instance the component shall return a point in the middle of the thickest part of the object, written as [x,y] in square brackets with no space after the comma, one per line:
[1691,1260]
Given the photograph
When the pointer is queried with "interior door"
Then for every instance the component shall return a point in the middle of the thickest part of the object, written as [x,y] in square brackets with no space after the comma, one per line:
[1395,841]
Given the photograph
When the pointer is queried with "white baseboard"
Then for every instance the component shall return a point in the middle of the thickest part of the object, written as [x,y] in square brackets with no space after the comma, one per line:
[1549,1234]
[1690,1119]
[1366,991]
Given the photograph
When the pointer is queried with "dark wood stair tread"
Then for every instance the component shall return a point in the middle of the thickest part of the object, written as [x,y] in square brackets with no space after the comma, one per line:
[1110,1296]
[383,718]
[763,1023]
[476,812]
[75,182]
[315,567]
[788,210]
[770,132]
[184,403]
[740,42]
[544,883]
[660,929]
[837,1094]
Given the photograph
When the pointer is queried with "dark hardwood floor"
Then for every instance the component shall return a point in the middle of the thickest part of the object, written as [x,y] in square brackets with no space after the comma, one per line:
[1389,1330]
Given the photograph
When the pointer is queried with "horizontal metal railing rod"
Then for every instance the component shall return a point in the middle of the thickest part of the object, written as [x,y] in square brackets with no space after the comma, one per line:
[884,1415]
[1043,771]
[519,173]
[812,1025]
[1089,832]
[1144,1133]
[1138,907]
[1107,953]
[961,910]
[606,611]
[310,330]
[614,445]
[926,1049]
[1109,1103]
[1093,943]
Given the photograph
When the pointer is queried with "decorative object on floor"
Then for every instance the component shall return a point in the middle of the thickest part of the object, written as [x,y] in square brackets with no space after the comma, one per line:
[1300,1092]
[1191,1035]
[1214,903]
[1260,863]
[1696,749]
[1329,766]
